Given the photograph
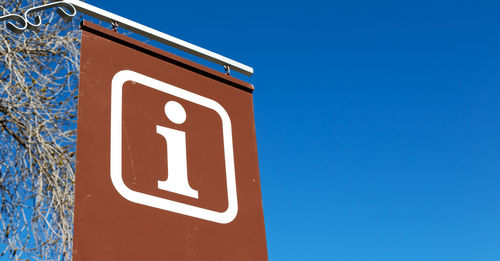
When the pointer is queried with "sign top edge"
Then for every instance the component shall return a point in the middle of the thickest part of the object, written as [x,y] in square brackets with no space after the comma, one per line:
[190,65]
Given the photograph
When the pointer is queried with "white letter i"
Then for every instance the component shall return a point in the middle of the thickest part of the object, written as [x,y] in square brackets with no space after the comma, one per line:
[177,180]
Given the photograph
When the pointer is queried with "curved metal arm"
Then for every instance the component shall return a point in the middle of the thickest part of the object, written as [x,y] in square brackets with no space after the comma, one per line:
[27,24]
[38,21]
[13,27]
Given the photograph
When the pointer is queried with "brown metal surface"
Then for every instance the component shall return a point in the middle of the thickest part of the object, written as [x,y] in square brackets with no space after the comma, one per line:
[110,227]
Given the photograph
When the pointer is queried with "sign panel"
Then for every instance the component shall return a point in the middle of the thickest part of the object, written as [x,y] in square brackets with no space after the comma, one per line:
[166,157]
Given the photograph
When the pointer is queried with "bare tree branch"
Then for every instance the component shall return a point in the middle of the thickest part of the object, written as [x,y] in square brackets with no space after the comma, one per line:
[38,96]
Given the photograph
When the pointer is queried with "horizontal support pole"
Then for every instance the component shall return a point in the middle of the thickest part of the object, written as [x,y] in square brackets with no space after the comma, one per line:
[156,35]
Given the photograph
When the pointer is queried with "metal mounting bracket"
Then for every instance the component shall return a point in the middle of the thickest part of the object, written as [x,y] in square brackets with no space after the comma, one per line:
[75,5]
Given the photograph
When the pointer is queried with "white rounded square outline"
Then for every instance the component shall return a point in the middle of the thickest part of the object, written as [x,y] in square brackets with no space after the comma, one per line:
[117,83]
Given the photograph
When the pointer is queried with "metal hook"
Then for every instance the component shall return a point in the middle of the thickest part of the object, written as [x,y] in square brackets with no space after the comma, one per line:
[115,25]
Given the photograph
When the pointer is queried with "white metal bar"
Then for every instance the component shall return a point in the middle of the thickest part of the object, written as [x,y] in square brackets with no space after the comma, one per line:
[156,35]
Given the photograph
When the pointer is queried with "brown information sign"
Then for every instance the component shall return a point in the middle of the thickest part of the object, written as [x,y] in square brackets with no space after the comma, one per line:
[166,157]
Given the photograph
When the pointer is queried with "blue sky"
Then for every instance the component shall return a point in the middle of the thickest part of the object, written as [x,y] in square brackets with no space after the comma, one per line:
[377,121]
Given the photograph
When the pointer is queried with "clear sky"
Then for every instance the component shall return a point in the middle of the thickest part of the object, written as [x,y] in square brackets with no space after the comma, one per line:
[378,122]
